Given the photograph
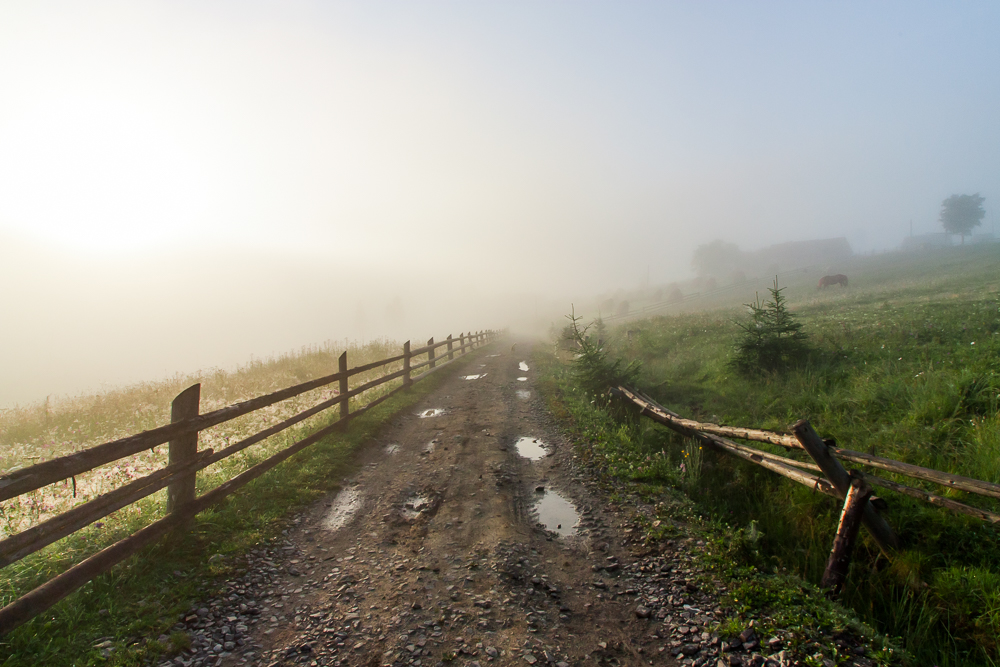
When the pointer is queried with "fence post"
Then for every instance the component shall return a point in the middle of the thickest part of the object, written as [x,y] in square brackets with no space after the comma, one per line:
[344,402]
[850,522]
[406,364]
[841,480]
[183,448]
[451,351]
[430,354]
[461,341]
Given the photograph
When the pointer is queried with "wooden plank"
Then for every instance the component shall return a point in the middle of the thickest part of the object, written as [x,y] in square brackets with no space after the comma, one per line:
[945,479]
[46,595]
[183,448]
[16,547]
[847,531]
[64,467]
[772,462]
[933,499]
[375,364]
[835,472]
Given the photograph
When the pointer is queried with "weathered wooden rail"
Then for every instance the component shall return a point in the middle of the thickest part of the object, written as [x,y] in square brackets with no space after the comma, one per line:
[834,479]
[184,462]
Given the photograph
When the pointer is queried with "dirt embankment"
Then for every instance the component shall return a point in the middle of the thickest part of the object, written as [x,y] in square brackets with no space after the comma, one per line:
[433,554]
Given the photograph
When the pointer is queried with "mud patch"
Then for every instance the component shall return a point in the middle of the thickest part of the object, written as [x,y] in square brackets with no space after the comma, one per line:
[524,394]
[531,448]
[473,377]
[345,506]
[556,513]
[432,412]
[523,367]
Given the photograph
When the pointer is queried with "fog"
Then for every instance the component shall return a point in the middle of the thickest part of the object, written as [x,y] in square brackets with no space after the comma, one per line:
[189,185]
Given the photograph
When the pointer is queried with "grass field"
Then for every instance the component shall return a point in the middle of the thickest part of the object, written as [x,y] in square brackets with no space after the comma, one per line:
[906,365]
[143,597]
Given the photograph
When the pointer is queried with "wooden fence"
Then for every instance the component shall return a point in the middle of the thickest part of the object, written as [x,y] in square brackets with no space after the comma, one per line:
[853,487]
[184,461]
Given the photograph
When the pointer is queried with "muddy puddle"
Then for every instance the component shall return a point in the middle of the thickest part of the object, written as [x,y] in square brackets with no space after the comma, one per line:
[474,377]
[430,446]
[492,355]
[524,394]
[523,367]
[556,513]
[522,379]
[392,449]
[432,412]
[531,448]
[345,506]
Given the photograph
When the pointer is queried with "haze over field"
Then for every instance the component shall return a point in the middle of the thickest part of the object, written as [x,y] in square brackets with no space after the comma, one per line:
[184,185]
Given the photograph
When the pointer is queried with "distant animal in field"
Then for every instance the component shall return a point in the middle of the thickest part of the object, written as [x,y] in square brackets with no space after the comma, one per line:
[839,279]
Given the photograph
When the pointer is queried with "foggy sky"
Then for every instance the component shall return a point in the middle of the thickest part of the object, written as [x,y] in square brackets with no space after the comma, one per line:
[186,184]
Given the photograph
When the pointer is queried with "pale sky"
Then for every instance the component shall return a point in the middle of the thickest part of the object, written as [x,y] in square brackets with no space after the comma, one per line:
[278,174]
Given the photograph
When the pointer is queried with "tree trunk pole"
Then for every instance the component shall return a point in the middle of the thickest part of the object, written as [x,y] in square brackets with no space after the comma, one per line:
[841,479]
[850,522]
[406,364]
[183,448]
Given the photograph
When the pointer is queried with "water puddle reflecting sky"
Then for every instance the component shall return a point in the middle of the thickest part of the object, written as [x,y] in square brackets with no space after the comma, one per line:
[556,513]
[531,448]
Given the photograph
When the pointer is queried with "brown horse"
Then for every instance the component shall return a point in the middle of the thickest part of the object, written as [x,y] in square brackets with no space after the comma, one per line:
[839,279]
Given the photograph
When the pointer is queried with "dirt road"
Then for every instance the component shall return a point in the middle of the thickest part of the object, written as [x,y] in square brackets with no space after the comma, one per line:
[433,554]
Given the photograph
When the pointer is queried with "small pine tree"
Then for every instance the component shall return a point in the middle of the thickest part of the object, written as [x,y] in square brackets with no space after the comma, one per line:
[772,341]
[595,370]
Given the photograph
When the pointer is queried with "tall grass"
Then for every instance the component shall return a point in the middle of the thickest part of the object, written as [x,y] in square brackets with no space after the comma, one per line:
[907,366]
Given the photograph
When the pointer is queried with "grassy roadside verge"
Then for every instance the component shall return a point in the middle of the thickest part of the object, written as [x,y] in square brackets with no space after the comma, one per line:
[907,366]
[143,597]
[643,463]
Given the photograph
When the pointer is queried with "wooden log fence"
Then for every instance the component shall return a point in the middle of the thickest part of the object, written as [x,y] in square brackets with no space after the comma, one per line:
[179,476]
[834,480]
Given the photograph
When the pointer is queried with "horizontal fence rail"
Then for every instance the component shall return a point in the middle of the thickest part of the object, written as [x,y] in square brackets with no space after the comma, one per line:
[833,479]
[184,462]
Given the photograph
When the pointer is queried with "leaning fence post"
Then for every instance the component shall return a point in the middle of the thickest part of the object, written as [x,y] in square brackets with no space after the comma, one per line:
[847,530]
[841,480]
[451,351]
[430,354]
[406,364]
[345,400]
[461,340]
[183,448]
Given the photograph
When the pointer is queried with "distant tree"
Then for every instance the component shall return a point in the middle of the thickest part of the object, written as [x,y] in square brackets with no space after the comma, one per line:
[716,258]
[960,213]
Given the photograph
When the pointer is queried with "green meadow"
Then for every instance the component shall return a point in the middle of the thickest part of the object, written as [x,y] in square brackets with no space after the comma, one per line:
[905,364]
